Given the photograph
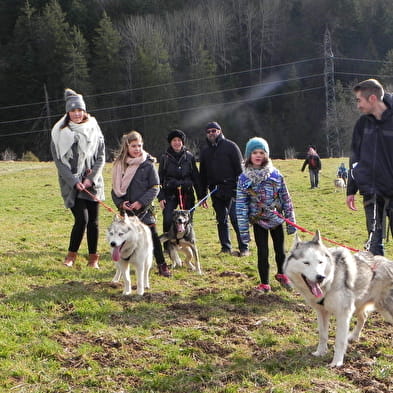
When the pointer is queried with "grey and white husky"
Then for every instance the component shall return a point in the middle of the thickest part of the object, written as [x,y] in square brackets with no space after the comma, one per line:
[181,237]
[336,282]
[131,244]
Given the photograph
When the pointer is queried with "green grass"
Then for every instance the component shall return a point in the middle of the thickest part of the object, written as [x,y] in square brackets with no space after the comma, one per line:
[68,330]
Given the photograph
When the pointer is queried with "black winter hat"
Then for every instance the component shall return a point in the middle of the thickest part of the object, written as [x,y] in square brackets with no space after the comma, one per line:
[176,134]
[213,124]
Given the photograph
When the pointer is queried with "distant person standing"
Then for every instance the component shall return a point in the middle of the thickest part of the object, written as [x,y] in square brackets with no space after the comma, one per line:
[78,150]
[314,166]
[371,160]
[342,173]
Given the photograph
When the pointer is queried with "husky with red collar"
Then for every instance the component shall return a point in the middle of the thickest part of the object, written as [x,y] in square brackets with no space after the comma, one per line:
[336,282]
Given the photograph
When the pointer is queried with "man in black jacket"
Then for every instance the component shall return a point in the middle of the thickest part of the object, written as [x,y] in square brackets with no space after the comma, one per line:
[220,166]
[371,161]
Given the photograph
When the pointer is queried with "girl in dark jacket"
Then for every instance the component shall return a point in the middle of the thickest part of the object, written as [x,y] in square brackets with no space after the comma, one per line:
[179,178]
[135,185]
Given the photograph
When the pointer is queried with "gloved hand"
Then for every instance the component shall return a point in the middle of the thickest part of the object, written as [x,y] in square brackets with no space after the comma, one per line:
[291,230]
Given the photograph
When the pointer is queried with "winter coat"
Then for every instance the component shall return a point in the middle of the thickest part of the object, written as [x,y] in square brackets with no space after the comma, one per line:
[371,161]
[313,161]
[144,188]
[256,200]
[178,170]
[68,175]
[220,165]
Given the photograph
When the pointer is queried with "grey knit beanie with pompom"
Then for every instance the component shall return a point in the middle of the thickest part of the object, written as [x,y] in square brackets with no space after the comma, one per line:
[73,100]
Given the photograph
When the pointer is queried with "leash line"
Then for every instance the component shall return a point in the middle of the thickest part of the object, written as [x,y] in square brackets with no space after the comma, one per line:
[99,201]
[204,198]
[312,233]
[180,198]
[253,193]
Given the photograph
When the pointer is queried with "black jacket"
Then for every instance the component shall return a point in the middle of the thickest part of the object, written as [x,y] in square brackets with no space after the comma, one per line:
[313,161]
[371,160]
[178,170]
[220,165]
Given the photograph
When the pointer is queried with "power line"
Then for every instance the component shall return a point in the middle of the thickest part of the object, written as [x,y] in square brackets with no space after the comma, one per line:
[209,106]
[258,69]
[134,105]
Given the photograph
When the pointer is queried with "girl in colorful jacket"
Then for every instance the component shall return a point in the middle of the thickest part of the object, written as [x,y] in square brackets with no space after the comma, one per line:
[261,191]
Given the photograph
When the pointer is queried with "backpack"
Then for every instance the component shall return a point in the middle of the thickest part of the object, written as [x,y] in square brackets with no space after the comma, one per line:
[313,162]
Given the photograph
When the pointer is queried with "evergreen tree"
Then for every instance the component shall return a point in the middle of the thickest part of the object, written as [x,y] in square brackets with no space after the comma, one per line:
[76,71]
[106,78]
[54,49]
[106,56]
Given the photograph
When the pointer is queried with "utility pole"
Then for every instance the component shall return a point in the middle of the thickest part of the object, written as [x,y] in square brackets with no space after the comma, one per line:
[332,134]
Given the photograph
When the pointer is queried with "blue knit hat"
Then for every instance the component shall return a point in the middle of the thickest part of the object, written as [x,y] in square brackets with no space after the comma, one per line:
[256,143]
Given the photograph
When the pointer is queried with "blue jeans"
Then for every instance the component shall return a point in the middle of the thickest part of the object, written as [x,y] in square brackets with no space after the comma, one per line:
[314,177]
[226,207]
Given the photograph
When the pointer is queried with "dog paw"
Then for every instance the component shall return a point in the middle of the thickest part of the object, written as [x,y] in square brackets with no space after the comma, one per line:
[319,353]
[353,337]
[337,364]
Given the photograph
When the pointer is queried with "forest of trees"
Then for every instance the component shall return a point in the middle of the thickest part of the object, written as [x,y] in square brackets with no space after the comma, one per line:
[258,67]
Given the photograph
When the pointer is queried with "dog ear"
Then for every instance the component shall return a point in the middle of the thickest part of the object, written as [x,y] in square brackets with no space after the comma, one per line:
[317,237]
[296,241]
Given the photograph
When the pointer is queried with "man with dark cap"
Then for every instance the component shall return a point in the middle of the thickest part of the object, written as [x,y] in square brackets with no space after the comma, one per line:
[220,166]
[179,177]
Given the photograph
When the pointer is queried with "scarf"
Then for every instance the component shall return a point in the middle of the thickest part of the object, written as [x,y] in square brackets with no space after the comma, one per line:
[121,179]
[258,175]
[86,135]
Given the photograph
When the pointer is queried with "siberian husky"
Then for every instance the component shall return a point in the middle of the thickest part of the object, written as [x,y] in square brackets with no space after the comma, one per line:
[339,184]
[335,282]
[181,237]
[131,243]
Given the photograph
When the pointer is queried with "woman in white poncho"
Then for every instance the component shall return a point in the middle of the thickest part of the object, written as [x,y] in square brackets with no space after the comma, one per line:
[78,150]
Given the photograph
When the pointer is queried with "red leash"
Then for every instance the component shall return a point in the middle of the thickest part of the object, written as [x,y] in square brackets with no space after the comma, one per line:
[99,201]
[180,198]
[312,233]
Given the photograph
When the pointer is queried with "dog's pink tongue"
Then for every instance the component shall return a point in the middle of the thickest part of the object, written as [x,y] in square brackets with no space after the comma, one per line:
[115,253]
[180,227]
[316,290]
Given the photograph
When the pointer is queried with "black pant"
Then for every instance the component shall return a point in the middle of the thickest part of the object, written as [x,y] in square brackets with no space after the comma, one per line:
[262,243]
[225,207]
[157,247]
[85,218]
[377,209]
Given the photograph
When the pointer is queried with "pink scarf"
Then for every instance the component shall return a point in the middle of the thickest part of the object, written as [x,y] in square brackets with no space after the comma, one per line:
[122,179]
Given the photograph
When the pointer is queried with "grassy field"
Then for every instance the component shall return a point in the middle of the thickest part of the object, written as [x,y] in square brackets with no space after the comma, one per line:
[69,330]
